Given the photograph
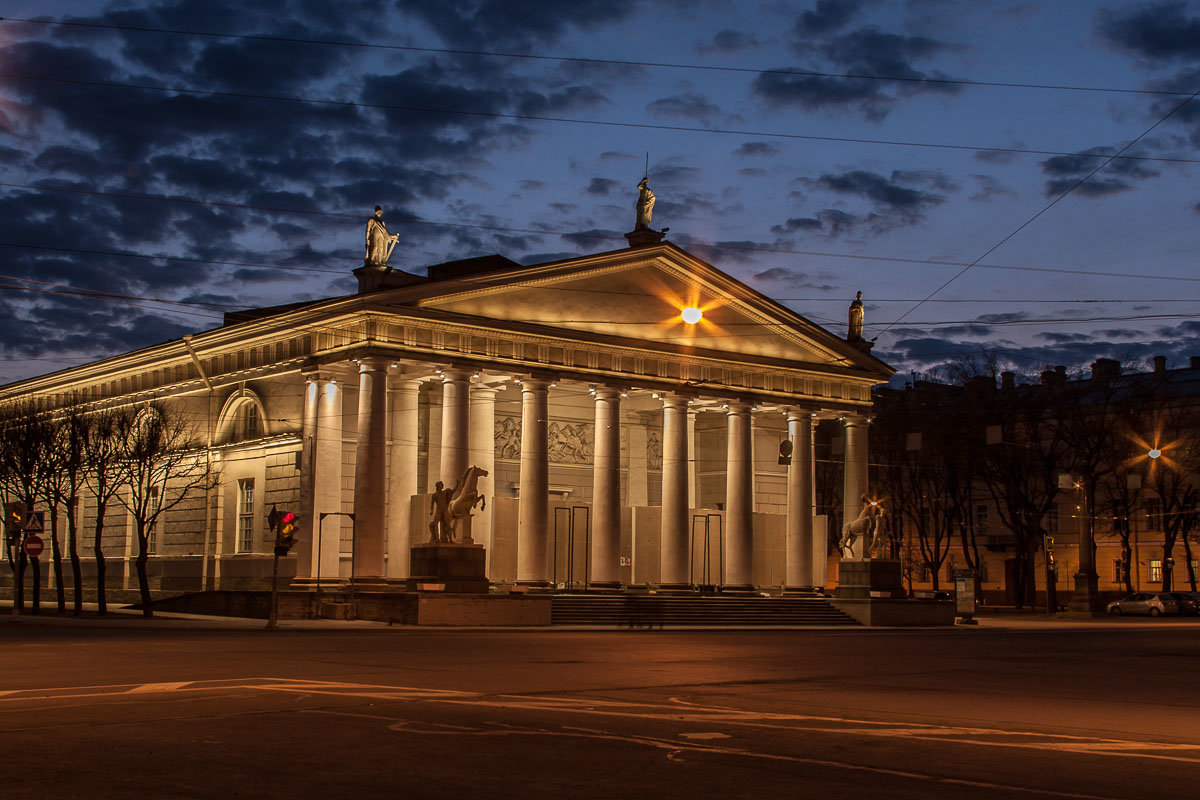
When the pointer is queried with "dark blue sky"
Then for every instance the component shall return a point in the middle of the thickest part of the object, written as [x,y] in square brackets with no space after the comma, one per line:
[811,149]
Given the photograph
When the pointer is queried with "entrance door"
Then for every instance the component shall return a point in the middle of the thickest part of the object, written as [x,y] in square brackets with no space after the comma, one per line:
[572,546]
[708,551]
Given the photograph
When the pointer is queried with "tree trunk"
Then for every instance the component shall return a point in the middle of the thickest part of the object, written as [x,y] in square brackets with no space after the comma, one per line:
[1127,563]
[60,591]
[73,554]
[36,563]
[101,567]
[19,593]
[1187,554]
[143,578]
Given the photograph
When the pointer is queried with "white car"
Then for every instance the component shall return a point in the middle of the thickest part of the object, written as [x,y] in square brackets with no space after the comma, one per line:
[1153,603]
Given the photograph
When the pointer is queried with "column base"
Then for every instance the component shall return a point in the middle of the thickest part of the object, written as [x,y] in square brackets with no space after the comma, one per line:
[802,591]
[539,584]
[738,589]
[601,587]
[312,584]
[675,588]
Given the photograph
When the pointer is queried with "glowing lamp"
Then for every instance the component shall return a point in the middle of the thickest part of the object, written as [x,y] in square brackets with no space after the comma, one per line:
[691,315]
[1155,453]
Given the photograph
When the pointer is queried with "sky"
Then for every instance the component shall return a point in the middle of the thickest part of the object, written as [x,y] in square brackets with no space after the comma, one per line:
[1006,178]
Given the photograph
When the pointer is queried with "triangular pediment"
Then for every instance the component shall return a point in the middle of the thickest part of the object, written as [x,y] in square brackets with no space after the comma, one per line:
[638,294]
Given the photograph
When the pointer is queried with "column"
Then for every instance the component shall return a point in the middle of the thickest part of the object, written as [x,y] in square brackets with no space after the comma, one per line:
[402,473]
[456,389]
[637,474]
[327,479]
[482,443]
[370,469]
[533,505]
[854,483]
[673,542]
[798,542]
[693,480]
[606,491]
[307,533]
[739,499]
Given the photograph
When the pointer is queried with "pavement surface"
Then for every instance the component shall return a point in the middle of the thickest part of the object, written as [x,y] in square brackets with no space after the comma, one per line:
[183,706]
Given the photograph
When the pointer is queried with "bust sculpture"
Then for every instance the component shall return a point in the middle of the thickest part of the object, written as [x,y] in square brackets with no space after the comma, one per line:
[857,314]
[379,241]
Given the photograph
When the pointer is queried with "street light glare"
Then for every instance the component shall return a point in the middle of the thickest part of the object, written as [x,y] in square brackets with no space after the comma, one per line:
[691,315]
[1155,453]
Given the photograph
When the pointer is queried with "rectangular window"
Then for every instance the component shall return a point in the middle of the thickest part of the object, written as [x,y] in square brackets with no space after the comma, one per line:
[1052,520]
[1153,515]
[152,531]
[981,520]
[1155,575]
[245,524]
[1118,574]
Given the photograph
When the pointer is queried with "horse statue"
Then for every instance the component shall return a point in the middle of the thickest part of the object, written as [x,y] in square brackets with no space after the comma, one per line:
[463,499]
[866,526]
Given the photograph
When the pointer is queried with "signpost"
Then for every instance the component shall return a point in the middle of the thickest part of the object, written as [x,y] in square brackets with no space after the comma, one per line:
[964,596]
[33,545]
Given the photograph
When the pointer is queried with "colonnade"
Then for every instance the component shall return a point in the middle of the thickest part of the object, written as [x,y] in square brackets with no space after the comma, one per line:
[467,437]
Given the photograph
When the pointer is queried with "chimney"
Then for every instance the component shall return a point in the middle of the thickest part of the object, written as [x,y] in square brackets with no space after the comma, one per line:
[1160,365]
[1105,369]
[1194,362]
[1007,381]
[1048,378]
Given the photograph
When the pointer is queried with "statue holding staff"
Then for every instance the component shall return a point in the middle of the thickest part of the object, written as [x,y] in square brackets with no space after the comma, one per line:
[379,241]
[644,205]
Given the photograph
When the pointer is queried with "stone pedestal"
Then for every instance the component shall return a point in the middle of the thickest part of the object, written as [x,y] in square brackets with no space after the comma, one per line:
[874,577]
[1086,589]
[459,568]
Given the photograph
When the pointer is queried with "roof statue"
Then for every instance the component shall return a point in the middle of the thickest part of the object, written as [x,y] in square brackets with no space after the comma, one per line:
[857,314]
[379,241]
[644,205]
[642,234]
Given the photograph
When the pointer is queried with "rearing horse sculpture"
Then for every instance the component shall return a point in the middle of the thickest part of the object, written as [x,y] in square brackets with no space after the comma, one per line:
[865,526]
[464,499]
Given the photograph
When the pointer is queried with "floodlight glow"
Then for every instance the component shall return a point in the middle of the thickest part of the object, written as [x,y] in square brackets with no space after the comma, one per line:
[1154,453]
[691,315]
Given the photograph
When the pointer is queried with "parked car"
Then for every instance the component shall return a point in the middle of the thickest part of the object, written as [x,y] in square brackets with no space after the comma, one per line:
[1153,603]
[1188,602]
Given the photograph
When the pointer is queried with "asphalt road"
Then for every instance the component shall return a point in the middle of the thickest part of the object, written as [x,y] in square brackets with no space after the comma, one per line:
[118,709]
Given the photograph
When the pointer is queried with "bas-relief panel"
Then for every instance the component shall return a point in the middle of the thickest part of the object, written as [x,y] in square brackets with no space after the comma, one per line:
[653,450]
[568,442]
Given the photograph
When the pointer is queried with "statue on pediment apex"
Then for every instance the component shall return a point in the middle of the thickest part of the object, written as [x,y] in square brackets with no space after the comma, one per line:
[379,241]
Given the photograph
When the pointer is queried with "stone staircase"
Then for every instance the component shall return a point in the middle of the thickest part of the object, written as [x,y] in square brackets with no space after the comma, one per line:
[643,611]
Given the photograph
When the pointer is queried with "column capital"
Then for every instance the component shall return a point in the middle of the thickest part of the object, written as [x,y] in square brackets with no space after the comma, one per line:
[738,407]
[535,384]
[373,364]
[606,393]
[674,401]
[455,374]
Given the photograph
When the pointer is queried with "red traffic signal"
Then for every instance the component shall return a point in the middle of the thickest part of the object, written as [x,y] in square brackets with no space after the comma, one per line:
[287,528]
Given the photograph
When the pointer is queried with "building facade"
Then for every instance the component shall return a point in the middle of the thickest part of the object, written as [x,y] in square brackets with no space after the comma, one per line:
[622,445]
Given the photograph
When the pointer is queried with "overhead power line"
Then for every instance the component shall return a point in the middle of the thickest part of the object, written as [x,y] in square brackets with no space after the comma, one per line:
[1045,208]
[604,236]
[598,61]
[580,121]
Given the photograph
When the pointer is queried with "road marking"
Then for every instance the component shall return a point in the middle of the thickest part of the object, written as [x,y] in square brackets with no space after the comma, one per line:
[712,735]
[148,688]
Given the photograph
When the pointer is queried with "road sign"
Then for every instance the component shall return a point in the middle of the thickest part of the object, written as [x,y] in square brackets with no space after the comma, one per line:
[33,545]
[35,523]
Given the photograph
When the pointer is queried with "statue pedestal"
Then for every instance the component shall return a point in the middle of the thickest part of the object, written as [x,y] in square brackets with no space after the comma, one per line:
[461,568]
[871,577]
[644,237]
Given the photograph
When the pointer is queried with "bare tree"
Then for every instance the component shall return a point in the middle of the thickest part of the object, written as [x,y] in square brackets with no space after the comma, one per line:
[24,442]
[160,464]
[102,455]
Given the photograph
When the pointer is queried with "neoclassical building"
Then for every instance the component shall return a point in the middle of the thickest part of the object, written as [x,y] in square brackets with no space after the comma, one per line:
[625,442]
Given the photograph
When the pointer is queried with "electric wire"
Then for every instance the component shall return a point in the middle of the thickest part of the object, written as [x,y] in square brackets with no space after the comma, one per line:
[581,121]
[596,61]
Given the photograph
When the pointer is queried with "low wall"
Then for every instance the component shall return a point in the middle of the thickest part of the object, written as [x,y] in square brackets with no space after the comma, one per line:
[888,613]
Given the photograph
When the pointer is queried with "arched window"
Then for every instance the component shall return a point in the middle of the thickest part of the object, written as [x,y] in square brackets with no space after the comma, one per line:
[242,419]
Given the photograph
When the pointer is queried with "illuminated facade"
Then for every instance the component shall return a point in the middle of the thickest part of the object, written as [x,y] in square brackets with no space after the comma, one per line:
[623,444]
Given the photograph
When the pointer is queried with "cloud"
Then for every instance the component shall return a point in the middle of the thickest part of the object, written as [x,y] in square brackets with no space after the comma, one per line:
[1160,31]
[797,279]
[512,23]
[753,149]
[685,106]
[1119,175]
[601,186]
[728,41]
[826,16]
[883,192]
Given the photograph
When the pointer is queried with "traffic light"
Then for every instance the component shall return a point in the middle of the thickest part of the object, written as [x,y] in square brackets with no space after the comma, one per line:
[287,529]
[14,521]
